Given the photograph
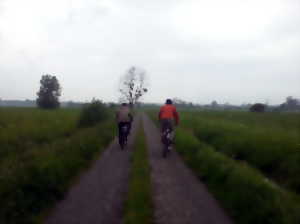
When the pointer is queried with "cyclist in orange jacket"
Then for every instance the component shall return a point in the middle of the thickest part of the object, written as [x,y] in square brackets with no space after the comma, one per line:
[168,115]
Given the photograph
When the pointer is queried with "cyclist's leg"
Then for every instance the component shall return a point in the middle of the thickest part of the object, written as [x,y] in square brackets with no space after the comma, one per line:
[128,124]
[119,131]
[163,125]
[172,127]
[121,125]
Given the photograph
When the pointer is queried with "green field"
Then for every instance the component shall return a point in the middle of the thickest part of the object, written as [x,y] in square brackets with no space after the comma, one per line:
[22,128]
[40,153]
[249,161]
[269,142]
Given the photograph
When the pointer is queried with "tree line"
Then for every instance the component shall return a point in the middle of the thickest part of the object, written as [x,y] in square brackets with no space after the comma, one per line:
[132,87]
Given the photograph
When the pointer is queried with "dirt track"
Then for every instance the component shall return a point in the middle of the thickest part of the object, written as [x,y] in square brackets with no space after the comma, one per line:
[98,196]
[179,197]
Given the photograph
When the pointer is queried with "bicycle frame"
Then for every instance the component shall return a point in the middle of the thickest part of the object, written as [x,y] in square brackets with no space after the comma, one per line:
[123,136]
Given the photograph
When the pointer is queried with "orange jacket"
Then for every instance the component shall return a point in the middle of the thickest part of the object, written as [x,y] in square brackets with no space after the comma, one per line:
[168,111]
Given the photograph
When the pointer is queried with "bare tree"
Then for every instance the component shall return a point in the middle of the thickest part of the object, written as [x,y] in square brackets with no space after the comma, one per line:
[133,85]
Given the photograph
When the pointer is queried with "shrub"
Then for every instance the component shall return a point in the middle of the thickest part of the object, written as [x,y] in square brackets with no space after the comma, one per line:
[92,114]
[258,107]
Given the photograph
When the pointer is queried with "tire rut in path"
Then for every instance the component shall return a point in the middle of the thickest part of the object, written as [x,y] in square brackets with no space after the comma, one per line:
[179,197]
[99,195]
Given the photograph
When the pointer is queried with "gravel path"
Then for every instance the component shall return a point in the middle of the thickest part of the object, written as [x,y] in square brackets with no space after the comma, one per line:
[99,195]
[179,197]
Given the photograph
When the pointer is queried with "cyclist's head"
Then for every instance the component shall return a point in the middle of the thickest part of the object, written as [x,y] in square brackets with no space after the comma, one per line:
[169,101]
[124,104]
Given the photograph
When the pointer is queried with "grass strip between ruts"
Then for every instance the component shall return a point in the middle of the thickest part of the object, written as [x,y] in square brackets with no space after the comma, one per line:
[139,205]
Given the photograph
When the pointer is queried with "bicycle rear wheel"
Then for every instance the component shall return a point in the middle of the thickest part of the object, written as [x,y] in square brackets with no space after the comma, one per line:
[122,141]
[165,151]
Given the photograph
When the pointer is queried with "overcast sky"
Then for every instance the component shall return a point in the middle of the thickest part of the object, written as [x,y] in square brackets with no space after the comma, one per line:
[230,51]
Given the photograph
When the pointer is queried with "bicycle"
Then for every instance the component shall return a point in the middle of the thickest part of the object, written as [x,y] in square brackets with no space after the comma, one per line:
[123,135]
[167,141]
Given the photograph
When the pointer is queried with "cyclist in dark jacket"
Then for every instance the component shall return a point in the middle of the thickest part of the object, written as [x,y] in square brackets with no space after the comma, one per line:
[124,117]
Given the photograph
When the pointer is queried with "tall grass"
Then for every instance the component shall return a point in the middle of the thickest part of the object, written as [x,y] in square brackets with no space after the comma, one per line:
[269,146]
[33,178]
[22,128]
[243,191]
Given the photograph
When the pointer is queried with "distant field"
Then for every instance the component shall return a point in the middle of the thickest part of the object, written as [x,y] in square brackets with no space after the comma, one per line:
[40,152]
[250,161]
[22,128]
[287,122]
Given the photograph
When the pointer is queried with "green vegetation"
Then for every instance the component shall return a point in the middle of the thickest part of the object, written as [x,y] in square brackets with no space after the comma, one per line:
[92,114]
[246,194]
[54,151]
[233,151]
[23,128]
[138,206]
[268,142]
[49,93]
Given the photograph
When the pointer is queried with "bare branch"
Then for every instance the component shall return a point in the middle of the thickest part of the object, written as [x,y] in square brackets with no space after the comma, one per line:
[132,85]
